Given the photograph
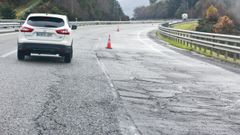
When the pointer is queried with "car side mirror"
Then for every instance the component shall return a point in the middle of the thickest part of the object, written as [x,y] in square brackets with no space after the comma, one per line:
[74,27]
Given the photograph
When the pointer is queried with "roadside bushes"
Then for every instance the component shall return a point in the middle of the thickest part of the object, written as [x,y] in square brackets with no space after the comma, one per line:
[214,23]
[211,17]
[224,26]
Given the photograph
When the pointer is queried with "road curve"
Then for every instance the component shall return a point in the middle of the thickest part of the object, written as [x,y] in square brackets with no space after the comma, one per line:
[138,87]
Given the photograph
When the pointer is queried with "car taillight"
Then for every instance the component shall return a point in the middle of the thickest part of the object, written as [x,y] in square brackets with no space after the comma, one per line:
[63,31]
[26,29]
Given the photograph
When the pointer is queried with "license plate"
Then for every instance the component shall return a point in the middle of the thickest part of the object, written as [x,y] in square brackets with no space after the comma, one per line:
[44,34]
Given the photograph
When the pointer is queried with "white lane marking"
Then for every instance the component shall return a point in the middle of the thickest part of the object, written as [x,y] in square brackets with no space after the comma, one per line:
[132,129]
[147,44]
[104,69]
[8,54]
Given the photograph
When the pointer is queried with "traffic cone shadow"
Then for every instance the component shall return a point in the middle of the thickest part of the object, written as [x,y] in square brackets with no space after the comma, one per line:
[118,29]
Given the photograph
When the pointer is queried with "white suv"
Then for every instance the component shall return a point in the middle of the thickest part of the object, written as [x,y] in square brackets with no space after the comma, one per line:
[46,34]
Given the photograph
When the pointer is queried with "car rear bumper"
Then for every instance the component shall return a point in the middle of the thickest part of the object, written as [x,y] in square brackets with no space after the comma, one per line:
[44,48]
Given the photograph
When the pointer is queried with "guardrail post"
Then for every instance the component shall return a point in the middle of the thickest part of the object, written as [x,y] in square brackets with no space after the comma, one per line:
[187,41]
[180,41]
[168,32]
[235,57]
[218,53]
[184,41]
[226,55]
[178,38]
[211,51]
[191,41]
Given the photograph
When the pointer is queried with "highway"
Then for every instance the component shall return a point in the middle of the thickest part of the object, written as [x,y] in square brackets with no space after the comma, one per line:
[140,87]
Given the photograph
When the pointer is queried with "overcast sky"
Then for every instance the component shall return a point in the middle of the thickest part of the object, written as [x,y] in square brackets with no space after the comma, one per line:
[129,5]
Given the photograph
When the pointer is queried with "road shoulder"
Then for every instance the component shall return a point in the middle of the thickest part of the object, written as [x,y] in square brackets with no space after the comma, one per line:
[226,65]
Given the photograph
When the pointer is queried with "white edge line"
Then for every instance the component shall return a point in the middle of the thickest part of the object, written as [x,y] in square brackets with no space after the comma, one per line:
[150,46]
[102,66]
[8,54]
[131,128]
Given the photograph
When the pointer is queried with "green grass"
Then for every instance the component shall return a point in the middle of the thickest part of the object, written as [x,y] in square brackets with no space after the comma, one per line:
[186,25]
[197,49]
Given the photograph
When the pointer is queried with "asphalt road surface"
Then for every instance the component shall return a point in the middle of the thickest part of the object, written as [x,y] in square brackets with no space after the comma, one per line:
[140,87]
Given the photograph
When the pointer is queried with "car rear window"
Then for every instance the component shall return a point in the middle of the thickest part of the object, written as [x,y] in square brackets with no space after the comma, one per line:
[50,22]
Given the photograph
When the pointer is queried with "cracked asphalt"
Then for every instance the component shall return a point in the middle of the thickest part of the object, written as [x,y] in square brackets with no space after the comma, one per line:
[140,87]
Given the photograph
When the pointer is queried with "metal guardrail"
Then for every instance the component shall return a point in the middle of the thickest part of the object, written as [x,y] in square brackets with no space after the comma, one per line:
[145,21]
[227,45]
[11,21]
[6,25]
[90,22]
[113,22]
[9,25]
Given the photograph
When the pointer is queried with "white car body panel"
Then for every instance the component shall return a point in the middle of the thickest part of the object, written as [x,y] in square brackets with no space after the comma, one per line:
[52,38]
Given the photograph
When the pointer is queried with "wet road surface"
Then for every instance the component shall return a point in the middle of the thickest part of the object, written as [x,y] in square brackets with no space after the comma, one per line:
[138,87]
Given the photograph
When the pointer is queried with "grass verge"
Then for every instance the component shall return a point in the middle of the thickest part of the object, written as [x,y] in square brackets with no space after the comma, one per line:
[186,25]
[197,49]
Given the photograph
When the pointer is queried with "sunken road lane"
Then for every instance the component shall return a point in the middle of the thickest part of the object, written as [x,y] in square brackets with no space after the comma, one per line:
[138,87]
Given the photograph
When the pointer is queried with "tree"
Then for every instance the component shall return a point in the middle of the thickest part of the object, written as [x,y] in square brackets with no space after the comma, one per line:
[182,9]
[211,17]
[7,12]
[212,13]
[224,26]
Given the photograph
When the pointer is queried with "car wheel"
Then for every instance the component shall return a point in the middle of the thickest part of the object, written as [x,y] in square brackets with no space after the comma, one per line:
[20,55]
[71,53]
[28,54]
[67,58]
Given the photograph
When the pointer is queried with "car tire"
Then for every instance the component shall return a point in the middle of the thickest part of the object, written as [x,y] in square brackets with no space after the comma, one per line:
[20,55]
[71,53]
[67,58]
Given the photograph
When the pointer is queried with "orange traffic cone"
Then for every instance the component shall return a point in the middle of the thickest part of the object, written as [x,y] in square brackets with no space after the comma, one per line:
[109,45]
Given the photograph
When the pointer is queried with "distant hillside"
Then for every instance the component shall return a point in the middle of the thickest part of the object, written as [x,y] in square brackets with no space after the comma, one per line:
[222,18]
[195,8]
[80,9]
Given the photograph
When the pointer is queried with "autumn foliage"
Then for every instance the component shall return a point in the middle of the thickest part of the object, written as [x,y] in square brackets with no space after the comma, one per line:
[214,23]
[224,26]
[212,13]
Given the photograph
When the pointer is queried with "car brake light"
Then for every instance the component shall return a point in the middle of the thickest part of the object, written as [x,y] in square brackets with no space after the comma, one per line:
[26,29]
[63,31]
